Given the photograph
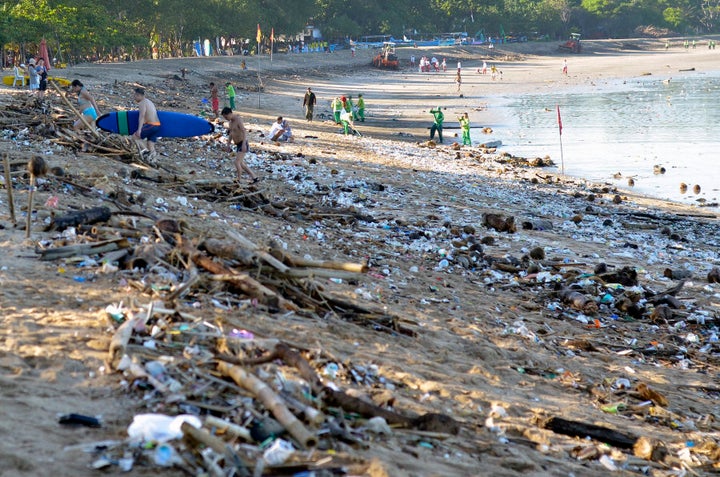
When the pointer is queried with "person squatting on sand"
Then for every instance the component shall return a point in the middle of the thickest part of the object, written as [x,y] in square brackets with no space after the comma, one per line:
[281,131]
[148,125]
[238,136]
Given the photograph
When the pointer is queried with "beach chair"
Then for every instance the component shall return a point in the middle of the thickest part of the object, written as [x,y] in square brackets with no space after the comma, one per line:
[19,76]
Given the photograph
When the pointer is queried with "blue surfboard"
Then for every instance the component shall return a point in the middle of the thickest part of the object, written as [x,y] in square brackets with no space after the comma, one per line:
[172,124]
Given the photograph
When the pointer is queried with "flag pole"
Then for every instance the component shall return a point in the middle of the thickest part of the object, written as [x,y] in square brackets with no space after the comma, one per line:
[258,37]
[562,158]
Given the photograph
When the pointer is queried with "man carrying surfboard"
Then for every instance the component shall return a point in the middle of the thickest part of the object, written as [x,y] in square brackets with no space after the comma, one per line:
[238,135]
[148,125]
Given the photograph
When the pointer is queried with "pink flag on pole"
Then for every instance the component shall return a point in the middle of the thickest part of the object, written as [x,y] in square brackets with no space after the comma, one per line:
[559,119]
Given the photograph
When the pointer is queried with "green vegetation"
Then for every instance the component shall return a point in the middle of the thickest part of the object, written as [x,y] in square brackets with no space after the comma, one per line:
[79,29]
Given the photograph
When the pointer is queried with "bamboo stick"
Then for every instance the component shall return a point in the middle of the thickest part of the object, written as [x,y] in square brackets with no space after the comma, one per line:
[332,265]
[8,186]
[271,401]
[229,427]
[30,205]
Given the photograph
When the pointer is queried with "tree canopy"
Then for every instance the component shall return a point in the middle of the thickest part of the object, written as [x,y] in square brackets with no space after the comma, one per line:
[79,28]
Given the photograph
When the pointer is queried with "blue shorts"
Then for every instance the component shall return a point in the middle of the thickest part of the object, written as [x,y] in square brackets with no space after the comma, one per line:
[150,132]
[90,112]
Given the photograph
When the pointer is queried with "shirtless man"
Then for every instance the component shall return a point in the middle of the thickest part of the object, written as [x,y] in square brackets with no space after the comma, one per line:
[238,135]
[148,125]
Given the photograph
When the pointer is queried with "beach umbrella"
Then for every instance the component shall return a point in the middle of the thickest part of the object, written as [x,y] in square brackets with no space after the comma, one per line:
[44,53]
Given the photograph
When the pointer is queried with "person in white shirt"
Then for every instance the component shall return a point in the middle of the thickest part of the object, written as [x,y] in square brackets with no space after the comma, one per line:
[280,131]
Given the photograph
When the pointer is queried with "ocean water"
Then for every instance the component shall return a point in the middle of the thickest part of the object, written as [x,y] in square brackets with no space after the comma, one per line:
[624,129]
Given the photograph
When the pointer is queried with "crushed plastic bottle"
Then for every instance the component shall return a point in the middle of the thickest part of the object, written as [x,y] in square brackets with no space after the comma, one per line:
[279,452]
[159,427]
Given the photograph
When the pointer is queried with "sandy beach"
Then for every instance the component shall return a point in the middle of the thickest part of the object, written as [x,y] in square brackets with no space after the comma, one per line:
[493,340]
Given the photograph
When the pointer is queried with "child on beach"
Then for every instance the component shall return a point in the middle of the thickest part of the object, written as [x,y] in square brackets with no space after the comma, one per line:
[214,100]
[230,92]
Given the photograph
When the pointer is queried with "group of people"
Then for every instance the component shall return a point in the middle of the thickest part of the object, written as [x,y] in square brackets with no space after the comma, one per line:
[148,129]
[345,112]
[429,64]
[437,126]
[37,73]
[215,98]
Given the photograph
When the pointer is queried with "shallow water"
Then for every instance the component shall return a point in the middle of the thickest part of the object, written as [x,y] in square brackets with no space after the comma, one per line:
[625,127]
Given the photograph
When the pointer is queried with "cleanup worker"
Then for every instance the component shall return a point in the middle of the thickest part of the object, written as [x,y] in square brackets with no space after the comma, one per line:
[437,124]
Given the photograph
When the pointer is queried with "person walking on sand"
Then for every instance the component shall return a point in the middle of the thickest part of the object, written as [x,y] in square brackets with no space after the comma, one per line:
[238,136]
[336,106]
[214,100]
[230,92]
[464,121]
[309,102]
[484,67]
[148,125]
[86,105]
[437,123]
[361,108]
[564,68]
[458,80]
[444,65]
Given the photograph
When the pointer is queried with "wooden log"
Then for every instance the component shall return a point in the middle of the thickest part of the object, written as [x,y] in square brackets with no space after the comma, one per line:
[119,343]
[225,249]
[8,186]
[271,401]
[84,249]
[88,216]
[229,427]
[583,430]
[248,244]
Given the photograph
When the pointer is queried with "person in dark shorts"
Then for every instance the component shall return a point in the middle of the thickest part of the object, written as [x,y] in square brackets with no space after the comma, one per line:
[238,136]
[148,125]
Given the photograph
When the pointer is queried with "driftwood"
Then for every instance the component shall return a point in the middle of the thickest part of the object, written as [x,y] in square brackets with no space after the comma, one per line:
[218,445]
[84,249]
[248,244]
[228,427]
[582,430]
[271,401]
[333,397]
[229,250]
[578,301]
[119,343]
[88,216]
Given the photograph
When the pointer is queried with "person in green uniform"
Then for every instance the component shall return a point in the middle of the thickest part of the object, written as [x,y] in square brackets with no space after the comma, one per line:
[336,108]
[437,124]
[349,106]
[464,121]
[230,92]
[361,108]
